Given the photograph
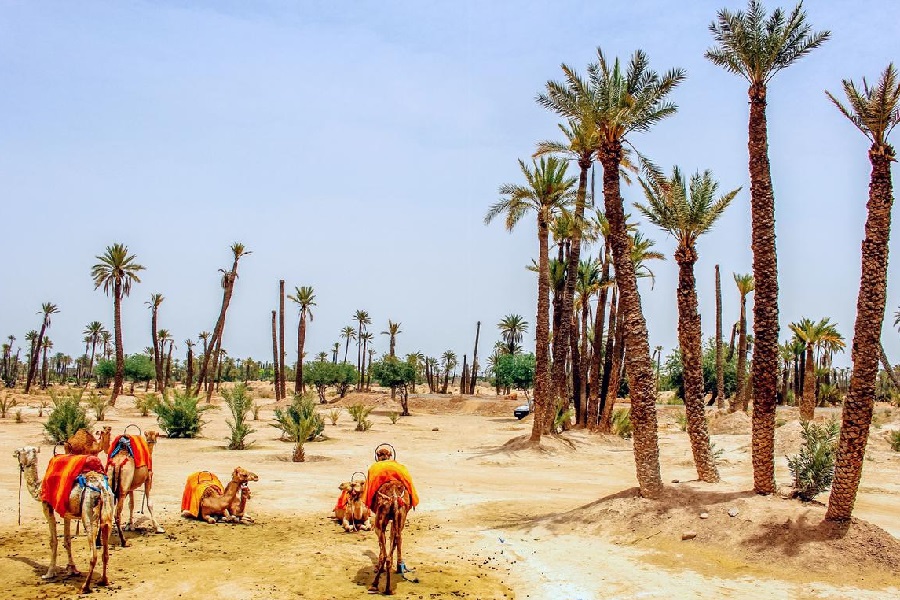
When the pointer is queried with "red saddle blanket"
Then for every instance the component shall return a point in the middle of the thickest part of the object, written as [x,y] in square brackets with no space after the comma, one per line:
[389,470]
[196,485]
[60,477]
[140,450]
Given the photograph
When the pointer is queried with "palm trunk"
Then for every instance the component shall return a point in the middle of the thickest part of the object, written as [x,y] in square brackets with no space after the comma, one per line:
[808,400]
[690,339]
[542,392]
[301,341]
[282,354]
[741,386]
[583,364]
[190,369]
[475,359]
[275,358]
[216,368]
[168,365]
[576,368]
[858,407]
[720,351]
[119,378]
[228,280]
[887,367]
[615,373]
[637,364]
[608,361]
[765,305]
[593,407]
[35,356]
[157,359]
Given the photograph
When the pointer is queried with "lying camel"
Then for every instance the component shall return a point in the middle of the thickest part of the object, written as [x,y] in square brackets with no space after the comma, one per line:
[90,501]
[229,504]
[390,504]
[83,442]
[125,477]
[351,509]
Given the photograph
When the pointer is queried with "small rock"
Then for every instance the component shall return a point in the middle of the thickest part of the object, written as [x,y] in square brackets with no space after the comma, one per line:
[704,515]
[675,481]
[435,429]
[733,512]
[688,535]
[786,492]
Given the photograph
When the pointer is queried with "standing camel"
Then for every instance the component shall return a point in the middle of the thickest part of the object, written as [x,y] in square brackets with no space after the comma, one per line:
[90,501]
[129,467]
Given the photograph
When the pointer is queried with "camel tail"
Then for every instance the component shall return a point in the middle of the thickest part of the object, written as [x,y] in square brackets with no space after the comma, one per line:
[115,479]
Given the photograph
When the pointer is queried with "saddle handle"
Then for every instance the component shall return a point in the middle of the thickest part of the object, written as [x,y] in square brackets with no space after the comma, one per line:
[132,425]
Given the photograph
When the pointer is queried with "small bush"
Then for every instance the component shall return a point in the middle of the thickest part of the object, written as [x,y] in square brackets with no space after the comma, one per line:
[562,418]
[333,415]
[394,417]
[256,408]
[813,468]
[98,404]
[19,418]
[779,422]
[66,418]
[675,401]
[300,423]
[240,402]
[146,403]
[681,420]
[789,399]
[360,413]
[894,440]
[621,423]
[6,403]
[180,415]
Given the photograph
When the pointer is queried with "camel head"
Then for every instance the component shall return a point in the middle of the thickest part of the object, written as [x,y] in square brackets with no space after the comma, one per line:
[243,476]
[353,488]
[105,437]
[27,456]
[151,436]
[384,453]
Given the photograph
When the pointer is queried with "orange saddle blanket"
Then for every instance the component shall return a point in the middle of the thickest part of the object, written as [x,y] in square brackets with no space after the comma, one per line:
[196,485]
[389,470]
[61,473]
[136,446]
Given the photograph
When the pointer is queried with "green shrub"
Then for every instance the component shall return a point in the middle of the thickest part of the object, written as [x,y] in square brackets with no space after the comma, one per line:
[98,404]
[67,417]
[675,400]
[681,420]
[394,416]
[563,417]
[180,415]
[300,423]
[813,468]
[621,423]
[146,403]
[333,415]
[240,403]
[360,413]
[779,422]
[256,408]
[6,403]
[894,440]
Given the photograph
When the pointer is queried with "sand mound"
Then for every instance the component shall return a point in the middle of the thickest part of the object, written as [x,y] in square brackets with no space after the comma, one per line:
[733,423]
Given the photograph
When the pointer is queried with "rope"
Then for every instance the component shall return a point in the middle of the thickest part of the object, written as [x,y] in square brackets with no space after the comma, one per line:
[21,470]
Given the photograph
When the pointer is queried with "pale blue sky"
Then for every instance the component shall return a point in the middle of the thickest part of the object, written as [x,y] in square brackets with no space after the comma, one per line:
[355,147]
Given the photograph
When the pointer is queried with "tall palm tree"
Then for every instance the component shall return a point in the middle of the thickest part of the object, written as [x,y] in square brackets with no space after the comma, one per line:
[153,305]
[116,272]
[47,309]
[228,279]
[745,284]
[363,319]
[621,102]
[46,346]
[808,331]
[449,362]
[875,111]
[548,190]
[334,351]
[392,331]
[163,337]
[512,327]
[756,48]
[686,215]
[189,364]
[365,338]
[94,332]
[105,338]
[348,333]
[305,298]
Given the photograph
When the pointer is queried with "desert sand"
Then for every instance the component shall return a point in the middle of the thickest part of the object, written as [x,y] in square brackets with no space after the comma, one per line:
[497,519]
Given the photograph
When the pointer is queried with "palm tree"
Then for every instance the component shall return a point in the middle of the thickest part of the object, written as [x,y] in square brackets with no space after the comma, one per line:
[116,272]
[163,336]
[365,338]
[153,305]
[875,111]
[808,331]
[720,354]
[94,332]
[305,298]
[228,279]
[189,364]
[46,346]
[756,48]
[547,192]
[47,309]
[449,361]
[392,331]
[512,327]
[105,338]
[334,351]
[745,284]
[686,215]
[348,333]
[363,319]
[322,356]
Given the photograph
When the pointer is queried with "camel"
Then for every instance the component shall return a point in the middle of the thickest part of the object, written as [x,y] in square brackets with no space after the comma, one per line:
[391,504]
[228,504]
[91,502]
[83,442]
[125,478]
[351,509]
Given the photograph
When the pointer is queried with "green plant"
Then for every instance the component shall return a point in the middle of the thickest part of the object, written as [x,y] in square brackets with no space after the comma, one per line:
[675,400]
[894,440]
[98,404]
[19,418]
[877,421]
[779,422]
[67,417]
[681,420]
[359,413]
[179,415]
[300,423]
[621,423]
[239,402]
[256,408]
[333,415]
[394,416]
[790,399]
[563,417]
[813,468]
[146,403]
[715,451]
[6,403]
[44,404]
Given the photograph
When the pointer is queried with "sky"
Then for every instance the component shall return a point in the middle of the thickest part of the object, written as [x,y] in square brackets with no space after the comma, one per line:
[355,148]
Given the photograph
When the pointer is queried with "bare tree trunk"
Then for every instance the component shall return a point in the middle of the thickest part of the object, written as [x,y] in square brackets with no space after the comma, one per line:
[593,409]
[475,359]
[282,355]
[720,363]
[276,371]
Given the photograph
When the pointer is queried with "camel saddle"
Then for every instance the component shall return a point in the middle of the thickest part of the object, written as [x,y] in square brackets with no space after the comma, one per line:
[135,446]
[194,489]
[62,473]
[389,470]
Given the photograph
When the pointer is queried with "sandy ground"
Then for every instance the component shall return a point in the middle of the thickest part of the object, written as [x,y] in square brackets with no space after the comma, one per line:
[497,519]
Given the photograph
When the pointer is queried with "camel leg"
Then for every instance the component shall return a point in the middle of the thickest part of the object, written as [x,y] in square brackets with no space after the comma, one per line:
[54,543]
[120,504]
[86,518]
[147,485]
[399,522]
[130,526]
[71,569]
[379,567]
[104,539]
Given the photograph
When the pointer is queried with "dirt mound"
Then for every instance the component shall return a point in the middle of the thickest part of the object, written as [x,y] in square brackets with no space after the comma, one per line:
[733,423]
[485,406]
[788,439]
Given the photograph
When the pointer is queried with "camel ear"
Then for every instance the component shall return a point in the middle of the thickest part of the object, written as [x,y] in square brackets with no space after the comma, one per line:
[344,486]
[37,450]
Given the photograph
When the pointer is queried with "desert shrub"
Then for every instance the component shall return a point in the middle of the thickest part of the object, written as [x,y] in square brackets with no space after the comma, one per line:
[563,417]
[66,418]
[19,418]
[333,415]
[681,420]
[621,423]
[179,415]
[146,403]
[779,422]
[790,399]
[255,409]
[6,403]
[300,423]
[360,413]
[98,404]
[894,440]
[240,403]
[44,404]
[813,468]
[675,400]
[394,416]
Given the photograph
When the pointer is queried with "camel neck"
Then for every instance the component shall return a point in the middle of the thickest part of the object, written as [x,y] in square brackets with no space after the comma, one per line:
[32,481]
[231,490]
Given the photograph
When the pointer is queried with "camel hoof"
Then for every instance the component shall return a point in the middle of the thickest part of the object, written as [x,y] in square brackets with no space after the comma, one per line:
[160,530]
[48,575]
[72,570]
[104,582]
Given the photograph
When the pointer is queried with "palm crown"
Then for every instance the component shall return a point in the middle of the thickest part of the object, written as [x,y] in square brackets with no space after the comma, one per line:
[874,111]
[116,266]
[305,299]
[548,190]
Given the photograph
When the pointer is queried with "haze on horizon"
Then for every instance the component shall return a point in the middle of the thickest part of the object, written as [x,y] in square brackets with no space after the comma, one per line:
[357,148]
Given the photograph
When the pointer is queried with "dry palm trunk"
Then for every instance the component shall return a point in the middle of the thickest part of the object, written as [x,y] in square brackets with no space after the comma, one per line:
[169,365]
[808,400]
[741,385]
[464,378]
[765,304]
[543,396]
[638,364]
[858,407]
[597,355]
[281,355]
[690,340]
[189,376]
[228,280]
[119,377]
[720,363]
[576,371]
[558,367]
[275,359]
[299,386]
[615,377]
[614,315]
[157,359]
[583,365]
[216,368]
[474,360]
